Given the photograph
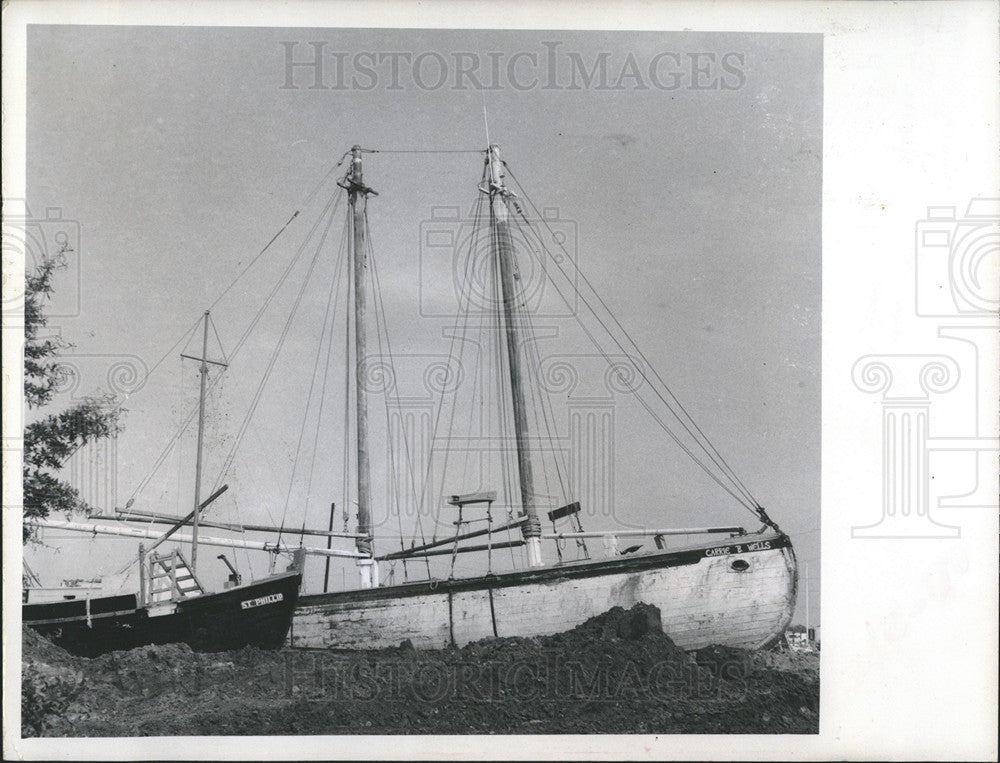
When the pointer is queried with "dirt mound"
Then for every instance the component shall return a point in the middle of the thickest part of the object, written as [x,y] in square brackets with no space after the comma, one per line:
[615,673]
[725,661]
[35,646]
[641,620]
[50,681]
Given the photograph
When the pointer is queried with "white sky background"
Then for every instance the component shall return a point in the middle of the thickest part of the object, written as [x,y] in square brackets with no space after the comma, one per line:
[697,214]
[910,100]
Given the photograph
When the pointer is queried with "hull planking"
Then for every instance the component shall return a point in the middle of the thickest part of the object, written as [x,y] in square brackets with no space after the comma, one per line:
[739,593]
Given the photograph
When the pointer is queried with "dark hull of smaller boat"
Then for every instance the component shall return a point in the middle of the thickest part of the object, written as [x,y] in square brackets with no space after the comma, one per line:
[256,615]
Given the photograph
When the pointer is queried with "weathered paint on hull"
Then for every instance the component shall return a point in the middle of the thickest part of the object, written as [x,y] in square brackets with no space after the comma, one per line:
[702,597]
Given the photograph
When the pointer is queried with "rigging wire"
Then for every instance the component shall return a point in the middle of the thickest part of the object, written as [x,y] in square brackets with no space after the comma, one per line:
[185,338]
[505,405]
[380,310]
[305,202]
[312,380]
[348,377]
[218,339]
[239,345]
[330,208]
[393,474]
[477,376]
[502,336]
[332,316]
[533,363]
[465,315]
[190,331]
[330,305]
[698,435]
[437,417]
[425,151]
[686,421]
[715,477]
[524,319]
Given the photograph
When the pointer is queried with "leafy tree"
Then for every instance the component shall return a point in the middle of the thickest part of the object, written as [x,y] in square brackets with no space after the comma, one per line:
[49,441]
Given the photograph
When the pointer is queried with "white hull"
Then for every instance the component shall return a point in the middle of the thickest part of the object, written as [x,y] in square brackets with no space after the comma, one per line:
[701,597]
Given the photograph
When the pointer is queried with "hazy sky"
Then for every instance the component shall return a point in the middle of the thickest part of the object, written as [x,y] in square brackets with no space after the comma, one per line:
[686,173]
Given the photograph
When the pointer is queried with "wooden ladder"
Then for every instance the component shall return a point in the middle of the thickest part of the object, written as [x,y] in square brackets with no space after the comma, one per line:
[170,578]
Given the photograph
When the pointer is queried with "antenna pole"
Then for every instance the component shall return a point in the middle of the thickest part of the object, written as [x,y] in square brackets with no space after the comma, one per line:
[203,371]
[486,121]
[504,250]
[358,194]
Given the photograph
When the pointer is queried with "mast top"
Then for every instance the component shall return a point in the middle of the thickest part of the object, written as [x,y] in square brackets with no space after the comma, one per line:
[204,355]
[352,182]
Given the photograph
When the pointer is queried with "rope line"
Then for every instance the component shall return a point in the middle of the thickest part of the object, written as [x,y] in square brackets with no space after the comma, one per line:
[239,345]
[393,475]
[331,302]
[331,209]
[437,418]
[338,274]
[425,151]
[312,379]
[380,311]
[686,421]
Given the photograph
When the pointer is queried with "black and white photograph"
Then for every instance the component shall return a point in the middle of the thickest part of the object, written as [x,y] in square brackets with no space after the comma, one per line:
[383,383]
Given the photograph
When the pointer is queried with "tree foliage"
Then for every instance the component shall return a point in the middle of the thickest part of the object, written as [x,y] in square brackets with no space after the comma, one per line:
[40,371]
[49,441]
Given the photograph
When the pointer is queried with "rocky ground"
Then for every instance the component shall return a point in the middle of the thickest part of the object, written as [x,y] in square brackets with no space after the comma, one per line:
[618,673]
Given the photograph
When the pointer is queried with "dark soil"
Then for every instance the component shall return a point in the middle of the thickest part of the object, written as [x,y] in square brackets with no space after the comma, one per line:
[616,673]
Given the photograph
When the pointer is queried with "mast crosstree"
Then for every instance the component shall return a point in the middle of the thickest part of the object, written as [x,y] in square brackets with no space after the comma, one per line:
[203,372]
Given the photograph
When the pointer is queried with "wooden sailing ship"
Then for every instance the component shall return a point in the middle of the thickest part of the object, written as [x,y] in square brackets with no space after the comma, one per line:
[737,589]
[734,587]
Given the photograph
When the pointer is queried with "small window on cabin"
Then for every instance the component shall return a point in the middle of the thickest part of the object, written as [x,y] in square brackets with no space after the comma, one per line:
[740,565]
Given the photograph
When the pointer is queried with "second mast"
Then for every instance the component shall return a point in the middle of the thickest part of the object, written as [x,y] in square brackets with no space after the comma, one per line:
[358,194]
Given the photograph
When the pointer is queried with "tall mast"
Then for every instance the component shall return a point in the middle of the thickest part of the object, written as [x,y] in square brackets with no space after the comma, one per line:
[504,251]
[358,194]
[203,371]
